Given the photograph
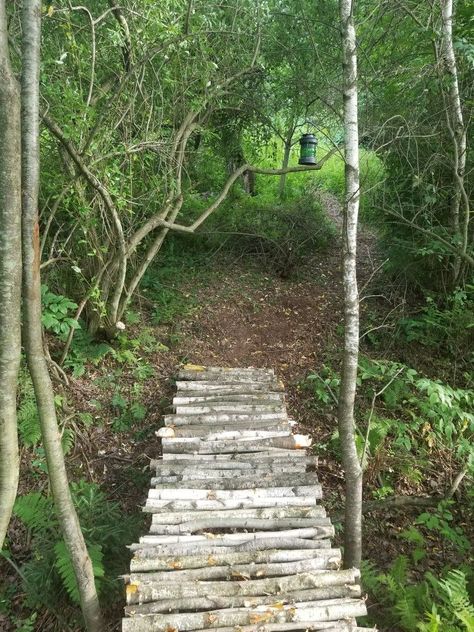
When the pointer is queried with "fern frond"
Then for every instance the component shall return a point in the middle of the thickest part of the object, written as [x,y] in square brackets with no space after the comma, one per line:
[456,598]
[66,570]
[399,569]
[35,511]
[433,622]
[68,439]
[28,423]
[406,610]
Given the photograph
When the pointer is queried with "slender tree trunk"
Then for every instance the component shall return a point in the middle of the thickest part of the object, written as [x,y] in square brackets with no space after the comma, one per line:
[284,165]
[10,276]
[351,462]
[74,540]
[457,131]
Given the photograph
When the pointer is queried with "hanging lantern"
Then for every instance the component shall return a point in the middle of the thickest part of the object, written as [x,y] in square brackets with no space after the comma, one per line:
[308,143]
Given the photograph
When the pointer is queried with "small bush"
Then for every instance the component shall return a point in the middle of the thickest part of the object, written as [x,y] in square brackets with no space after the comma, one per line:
[279,235]
[446,325]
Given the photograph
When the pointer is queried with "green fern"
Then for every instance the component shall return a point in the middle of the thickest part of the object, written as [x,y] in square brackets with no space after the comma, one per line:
[68,439]
[433,622]
[65,568]
[370,576]
[28,422]
[456,598]
[35,511]
[406,610]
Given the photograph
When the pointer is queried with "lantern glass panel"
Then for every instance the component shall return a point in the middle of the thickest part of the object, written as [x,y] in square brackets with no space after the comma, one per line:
[308,144]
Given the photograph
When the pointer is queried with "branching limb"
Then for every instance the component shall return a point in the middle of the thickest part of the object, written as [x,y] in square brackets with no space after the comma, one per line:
[464,255]
[225,191]
[95,183]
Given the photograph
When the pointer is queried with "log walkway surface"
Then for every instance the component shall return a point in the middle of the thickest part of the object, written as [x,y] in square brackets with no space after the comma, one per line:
[239,541]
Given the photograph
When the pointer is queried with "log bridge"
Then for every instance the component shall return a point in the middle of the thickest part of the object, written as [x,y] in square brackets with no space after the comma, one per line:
[239,541]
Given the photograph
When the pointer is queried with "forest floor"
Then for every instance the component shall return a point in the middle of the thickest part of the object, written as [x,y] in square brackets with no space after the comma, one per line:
[236,314]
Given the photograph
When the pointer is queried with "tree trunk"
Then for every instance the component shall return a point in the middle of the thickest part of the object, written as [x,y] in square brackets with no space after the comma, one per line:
[351,462]
[10,276]
[74,540]
[458,133]
[284,165]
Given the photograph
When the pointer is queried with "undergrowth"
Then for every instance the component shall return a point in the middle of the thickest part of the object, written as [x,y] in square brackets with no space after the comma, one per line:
[46,576]
[407,425]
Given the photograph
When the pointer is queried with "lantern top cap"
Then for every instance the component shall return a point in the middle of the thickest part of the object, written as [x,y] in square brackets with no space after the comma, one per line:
[308,138]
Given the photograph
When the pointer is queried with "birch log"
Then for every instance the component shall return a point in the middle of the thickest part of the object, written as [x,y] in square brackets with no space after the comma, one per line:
[141,591]
[328,561]
[309,611]
[224,375]
[188,445]
[342,625]
[228,407]
[211,548]
[226,539]
[201,386]
[216,601]
[269,480]
[221,418]
[200,430]
[149,560]
[156,505]
[270,454]
[207,433]
[191,493]
[258,398]
[192,526]
[263,513]
[192,474]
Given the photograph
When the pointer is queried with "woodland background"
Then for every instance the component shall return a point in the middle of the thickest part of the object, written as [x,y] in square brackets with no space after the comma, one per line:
[164,240]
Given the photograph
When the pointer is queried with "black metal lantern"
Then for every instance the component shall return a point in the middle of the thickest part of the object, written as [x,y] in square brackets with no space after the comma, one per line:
[308,143]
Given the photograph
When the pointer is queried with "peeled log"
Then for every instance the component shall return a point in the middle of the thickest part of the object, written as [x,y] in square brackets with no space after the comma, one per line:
[269,513]
[261,397]
[191,493]
[342,625]
[213,602]
[192,526]
[240,571]
[264,455]
[209,548]
[239,538]
[270,480]
[202,387]
[203,430]
[317,611]
[234,461]
[239,408]
[143,591]
[168,475]
[155,505]
[210,418]
[219,564]
[225,376]
[190,445]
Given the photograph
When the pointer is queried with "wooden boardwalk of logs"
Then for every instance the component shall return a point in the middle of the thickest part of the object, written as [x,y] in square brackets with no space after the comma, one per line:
[238,541]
